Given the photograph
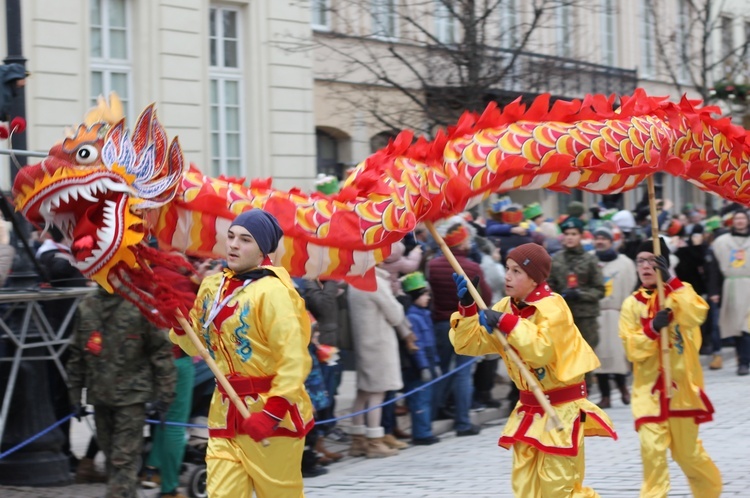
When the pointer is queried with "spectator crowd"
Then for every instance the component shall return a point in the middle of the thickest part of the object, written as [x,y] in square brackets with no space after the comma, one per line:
[397,337]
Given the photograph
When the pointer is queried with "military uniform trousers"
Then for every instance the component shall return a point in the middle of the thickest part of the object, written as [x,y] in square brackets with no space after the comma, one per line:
[119,431]
[589,327]
[680,435]
[537,474]
[238,466]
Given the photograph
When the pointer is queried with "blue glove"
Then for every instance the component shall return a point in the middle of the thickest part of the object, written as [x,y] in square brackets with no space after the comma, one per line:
[490,319]
[464,296]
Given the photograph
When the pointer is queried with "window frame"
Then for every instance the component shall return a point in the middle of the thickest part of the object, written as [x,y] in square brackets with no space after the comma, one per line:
[106,65]
[387,8]
[508,24]
[609,39]
[221,75]
[647,36]
[445,22]
[320,7]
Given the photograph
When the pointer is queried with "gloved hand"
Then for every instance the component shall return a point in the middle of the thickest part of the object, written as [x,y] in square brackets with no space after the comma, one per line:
[437,371]
[158,411]
[572,294]
[661,319]
[490,319]
[464,296]
[79,411]
[662,265]
[260,425]
[425,375]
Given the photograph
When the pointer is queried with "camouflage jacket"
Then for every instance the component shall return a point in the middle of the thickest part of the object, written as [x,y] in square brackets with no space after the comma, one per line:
[118,356]
[571,267]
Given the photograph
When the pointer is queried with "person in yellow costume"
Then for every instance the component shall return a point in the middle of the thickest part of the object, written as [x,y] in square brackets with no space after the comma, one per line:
[667,423]
[254,324]
[539,326]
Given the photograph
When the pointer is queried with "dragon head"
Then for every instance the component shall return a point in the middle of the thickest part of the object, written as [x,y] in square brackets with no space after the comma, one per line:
[98,184]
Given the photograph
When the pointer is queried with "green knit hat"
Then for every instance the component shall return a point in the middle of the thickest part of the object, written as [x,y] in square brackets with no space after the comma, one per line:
[326,184]
[712,223]
[413,281]
[576,209]
[532,211]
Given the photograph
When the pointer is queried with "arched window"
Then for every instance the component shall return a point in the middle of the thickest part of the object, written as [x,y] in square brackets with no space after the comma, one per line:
[328,154]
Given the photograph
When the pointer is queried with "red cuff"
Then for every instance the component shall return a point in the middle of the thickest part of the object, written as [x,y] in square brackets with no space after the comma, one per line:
[277,407]
[507,323]
[467,311]
[648,329]
[178,330]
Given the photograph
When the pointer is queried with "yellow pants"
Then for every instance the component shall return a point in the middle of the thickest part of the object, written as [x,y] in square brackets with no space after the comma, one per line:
[541,475]
[680,435]
[237,467]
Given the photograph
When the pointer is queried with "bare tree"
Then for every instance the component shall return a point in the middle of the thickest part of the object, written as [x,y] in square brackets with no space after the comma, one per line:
[700,48]
[441,57]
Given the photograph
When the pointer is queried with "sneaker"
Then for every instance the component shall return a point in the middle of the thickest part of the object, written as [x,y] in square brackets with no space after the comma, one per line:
[314,471]
[425,441]
[476,406]
[150,479]
[338,436]
[471,431]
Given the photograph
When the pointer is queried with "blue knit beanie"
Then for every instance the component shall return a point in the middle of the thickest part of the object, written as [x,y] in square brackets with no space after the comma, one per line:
[262,226]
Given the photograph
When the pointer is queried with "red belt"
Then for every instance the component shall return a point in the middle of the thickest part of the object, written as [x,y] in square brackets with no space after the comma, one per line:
[556,396]
[245,386]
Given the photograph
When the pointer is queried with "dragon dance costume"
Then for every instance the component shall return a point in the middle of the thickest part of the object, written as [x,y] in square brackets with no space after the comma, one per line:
[255,327]
[669,423]
[541,329]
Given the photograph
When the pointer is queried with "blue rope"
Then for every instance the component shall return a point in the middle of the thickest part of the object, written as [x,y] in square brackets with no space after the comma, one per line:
[36,436]
[201,426]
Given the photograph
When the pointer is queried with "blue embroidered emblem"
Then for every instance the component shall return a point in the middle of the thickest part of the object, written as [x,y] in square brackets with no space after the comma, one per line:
[244,348]
[679,342]
[206,334]
[540,372]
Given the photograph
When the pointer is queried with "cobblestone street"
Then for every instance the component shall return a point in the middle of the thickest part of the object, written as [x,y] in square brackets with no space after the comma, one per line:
[476,466]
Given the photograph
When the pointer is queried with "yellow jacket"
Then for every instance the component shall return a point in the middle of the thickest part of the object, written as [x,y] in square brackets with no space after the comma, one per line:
[642,346]
[262,332]
[545,337]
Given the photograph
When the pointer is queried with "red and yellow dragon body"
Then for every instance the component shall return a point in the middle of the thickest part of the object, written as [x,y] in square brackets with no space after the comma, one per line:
[110,191]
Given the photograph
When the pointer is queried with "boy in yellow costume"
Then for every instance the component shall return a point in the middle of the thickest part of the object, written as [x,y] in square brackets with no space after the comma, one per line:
[254,324]
[667,423]
[539,326]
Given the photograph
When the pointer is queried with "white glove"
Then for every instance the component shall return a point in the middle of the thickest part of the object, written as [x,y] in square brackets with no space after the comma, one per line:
[438,372]
[425,375]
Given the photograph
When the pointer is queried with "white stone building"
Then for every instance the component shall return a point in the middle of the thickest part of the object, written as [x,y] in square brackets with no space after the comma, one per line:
[260,88]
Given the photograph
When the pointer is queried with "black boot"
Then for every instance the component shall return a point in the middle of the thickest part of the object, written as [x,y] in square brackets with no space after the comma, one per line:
[310,465]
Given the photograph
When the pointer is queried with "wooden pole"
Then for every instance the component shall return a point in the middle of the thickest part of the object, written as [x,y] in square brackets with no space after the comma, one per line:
[231,393]
[553,421]
[664,333]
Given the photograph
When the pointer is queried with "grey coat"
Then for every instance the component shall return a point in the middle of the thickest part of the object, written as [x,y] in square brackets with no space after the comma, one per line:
[373,316]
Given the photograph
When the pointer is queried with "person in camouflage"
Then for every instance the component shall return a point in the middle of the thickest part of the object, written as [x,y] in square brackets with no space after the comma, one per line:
[576,276]
[124,362]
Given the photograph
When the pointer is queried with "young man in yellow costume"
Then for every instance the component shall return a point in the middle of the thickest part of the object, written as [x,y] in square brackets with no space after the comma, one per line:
[539,326]
[254,324]
[667,423]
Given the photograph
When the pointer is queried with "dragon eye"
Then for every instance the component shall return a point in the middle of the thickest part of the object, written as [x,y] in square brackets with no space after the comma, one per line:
[87,154]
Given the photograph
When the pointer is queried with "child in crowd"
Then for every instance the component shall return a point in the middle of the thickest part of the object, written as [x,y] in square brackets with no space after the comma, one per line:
[539,327]
[424,361]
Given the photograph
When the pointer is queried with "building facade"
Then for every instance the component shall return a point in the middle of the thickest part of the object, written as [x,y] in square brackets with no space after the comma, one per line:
[290,88]
[219,74]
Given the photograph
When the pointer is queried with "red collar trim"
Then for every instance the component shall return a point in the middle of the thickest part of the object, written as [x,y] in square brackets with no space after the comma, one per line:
[540,292]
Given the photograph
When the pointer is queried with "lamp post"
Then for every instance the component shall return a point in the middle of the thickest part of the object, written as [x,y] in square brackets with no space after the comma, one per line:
[42,462]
